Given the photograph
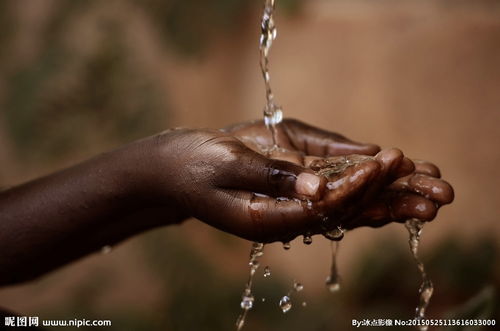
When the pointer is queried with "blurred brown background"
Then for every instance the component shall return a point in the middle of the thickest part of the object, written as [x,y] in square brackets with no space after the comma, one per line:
[80,77]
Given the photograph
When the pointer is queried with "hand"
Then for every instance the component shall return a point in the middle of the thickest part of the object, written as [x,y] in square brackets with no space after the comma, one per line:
[418,195]
[230,179]
[219,178]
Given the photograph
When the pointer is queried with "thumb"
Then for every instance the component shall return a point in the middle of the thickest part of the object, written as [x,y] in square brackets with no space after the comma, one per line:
[257,173]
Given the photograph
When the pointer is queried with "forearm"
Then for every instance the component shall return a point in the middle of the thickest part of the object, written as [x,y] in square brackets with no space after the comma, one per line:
[56,219]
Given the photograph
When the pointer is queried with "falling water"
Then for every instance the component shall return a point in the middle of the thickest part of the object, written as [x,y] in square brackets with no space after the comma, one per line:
[247,298]
[267,271]
[333,281]
[335,233]
[273,114]
[414,227]
[285,302]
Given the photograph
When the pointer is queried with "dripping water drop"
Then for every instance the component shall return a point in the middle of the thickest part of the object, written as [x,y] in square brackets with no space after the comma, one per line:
[267,271]
[298,287]
[247,302]
[285,304]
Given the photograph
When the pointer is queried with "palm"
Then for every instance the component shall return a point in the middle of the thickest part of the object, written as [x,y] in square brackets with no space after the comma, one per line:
[297,140]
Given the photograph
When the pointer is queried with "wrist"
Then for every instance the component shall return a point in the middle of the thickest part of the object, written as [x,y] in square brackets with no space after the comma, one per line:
[142,168]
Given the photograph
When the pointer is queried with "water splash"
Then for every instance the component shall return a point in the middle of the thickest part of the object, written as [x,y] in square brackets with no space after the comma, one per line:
[414,227]
[273,113]
[247,298]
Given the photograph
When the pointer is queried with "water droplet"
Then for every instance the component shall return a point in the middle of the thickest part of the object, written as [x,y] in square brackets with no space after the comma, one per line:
[267,271]
[247,302]
[332,284]
[286,245]
[335,234]
[298,287]
[307,240]
[106,249]
[304,303]
[285,304]
[273,117]
[263,299]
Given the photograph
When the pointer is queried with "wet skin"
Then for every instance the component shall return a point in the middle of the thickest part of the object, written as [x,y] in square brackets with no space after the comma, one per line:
[227,178]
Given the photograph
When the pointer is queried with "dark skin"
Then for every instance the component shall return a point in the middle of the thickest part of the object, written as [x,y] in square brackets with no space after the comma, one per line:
[226,178]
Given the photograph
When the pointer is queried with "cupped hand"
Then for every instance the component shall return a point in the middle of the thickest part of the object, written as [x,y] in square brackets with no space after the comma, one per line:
[226,179]
[414,188]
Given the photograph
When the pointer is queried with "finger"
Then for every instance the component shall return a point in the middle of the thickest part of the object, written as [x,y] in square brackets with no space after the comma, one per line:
[438,189]
[427,168]
[318,142]
[274,219]
[396,208]
[406,206]
[254,172]
[393,163]
[362,177]
[352,183]
[405,167]
[429,187]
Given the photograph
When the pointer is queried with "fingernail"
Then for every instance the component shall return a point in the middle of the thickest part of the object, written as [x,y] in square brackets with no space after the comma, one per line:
[307,184]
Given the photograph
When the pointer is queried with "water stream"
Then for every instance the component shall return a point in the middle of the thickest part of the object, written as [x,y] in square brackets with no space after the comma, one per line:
[247,298]
[414,227]
[273,114]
